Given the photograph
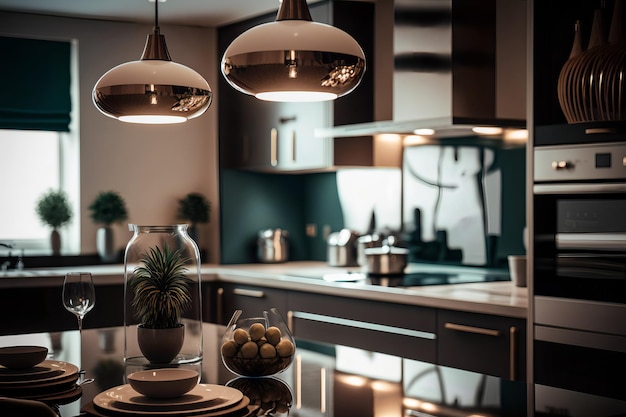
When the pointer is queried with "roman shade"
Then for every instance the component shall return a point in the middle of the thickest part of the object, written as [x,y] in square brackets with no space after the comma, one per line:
[35,78]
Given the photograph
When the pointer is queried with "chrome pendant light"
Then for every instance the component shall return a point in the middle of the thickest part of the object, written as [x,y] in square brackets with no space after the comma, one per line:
[294,58]
[153,90]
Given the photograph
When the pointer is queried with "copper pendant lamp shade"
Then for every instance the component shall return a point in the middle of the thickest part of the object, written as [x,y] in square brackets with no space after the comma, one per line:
[153,90]
[294,59]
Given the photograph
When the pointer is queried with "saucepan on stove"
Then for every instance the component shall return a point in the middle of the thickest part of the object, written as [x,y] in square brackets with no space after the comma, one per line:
[386,260]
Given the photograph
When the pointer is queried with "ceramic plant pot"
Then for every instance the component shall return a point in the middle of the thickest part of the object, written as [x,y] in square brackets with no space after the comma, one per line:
[160,345]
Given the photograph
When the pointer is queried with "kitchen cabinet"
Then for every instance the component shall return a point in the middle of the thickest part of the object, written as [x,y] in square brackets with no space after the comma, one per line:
[491,345]
[279,137]
[253,300]
[395,329]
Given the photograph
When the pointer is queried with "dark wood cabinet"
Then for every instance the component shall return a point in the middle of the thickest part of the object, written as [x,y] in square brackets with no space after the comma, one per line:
[279,137]
[253,300]
[395,329]
[491,345]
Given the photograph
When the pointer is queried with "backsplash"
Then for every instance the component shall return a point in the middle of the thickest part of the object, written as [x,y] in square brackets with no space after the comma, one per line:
[463,203]
[457,204]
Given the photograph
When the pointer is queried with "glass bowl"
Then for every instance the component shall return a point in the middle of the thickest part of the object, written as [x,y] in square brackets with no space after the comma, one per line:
[257,346]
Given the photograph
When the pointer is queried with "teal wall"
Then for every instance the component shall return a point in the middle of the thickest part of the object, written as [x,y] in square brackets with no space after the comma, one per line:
[253,201]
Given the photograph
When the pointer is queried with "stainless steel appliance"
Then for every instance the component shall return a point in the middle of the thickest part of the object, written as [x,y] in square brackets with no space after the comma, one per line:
[273,245]
[579,285]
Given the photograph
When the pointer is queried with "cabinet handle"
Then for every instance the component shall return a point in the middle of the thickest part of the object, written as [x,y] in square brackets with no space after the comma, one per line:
[219,304]
[290,323]
[472,329]
[323,390]
[293,146]
[512,352]
[249,293]
[274,147]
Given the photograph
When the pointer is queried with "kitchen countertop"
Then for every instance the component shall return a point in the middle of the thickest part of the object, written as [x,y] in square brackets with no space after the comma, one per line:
[500,298]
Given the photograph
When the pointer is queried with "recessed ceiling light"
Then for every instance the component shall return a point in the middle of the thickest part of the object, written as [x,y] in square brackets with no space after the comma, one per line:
[424,132]
[487,130]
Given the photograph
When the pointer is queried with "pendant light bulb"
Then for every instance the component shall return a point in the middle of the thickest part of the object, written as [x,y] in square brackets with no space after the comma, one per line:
[294,59]
[153,90]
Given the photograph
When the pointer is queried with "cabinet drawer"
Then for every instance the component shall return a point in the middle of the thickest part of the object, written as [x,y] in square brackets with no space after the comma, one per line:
[395,329]
[491,345]
[252,300]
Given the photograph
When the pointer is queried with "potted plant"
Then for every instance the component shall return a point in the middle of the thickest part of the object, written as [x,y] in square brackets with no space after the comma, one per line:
[195,208]
[107,208]
[161,294]
[54,210]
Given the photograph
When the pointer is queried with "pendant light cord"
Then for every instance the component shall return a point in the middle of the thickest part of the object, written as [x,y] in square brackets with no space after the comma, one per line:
[156,16]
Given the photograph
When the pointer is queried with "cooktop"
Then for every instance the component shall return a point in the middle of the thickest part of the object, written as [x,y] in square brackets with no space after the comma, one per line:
[416,279]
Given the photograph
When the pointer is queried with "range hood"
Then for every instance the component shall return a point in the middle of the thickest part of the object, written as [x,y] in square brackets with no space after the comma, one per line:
[450,66]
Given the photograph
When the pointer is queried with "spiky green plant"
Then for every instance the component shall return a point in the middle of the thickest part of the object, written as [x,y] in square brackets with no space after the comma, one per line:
[161,288]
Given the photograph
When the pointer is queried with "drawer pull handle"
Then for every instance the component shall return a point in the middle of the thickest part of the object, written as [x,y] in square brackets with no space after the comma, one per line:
[512,352]
[472,329]
[249,293]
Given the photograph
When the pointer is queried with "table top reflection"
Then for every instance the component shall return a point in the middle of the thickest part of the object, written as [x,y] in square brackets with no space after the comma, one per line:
[100,353]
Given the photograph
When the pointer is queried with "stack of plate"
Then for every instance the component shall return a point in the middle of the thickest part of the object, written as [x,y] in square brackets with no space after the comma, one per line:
[50,381]
[204,400]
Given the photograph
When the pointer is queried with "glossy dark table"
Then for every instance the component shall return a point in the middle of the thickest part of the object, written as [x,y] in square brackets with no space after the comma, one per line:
[100,353]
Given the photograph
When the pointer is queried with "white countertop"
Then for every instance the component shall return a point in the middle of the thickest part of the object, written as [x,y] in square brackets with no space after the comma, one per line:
[500,298]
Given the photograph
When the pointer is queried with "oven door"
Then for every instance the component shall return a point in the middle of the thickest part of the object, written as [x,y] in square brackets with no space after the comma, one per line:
[579,296]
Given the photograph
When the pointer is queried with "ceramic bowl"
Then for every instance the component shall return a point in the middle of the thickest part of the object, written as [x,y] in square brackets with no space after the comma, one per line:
[22,357]
[163,383]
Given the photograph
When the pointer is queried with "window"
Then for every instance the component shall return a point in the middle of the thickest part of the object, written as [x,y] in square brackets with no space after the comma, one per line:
[30,167]
[39,144]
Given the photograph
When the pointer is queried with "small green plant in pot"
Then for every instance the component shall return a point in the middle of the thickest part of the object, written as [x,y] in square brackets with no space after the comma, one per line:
[161,294]
[107,208]
[54,210]
[195,208]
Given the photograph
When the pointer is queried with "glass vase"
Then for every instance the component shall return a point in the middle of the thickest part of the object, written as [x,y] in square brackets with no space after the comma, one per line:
[162,299]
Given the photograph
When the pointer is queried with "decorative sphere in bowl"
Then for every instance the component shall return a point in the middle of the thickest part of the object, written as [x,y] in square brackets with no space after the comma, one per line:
[22,357]
[163,382]
[257,346]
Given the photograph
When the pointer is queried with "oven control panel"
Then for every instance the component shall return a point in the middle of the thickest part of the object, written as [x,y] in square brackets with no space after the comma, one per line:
[580,162]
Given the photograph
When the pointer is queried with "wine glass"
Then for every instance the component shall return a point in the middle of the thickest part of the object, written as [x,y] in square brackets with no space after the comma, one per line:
[79,295]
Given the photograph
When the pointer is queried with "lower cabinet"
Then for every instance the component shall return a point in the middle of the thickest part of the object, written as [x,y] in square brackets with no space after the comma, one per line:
[492,345]
[395,329]
[253,300]
[482,343]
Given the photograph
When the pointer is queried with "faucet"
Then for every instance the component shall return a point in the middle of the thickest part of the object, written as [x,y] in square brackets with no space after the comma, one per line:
[7,245]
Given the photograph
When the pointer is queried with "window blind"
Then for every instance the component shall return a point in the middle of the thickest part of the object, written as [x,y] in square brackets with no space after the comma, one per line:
[35,92]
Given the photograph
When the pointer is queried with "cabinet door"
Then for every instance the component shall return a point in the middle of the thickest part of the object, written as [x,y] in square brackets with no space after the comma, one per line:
[298,148]
[252,300]
[491,345]
[395,329]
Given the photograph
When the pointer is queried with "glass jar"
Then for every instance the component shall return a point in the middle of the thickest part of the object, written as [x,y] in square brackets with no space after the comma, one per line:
[162,299]
[257,346]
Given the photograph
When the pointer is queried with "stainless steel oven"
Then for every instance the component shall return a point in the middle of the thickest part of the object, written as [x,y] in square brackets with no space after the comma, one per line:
[579,287]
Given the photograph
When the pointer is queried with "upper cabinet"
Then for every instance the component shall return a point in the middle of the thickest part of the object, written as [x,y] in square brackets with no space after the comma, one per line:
[279,137]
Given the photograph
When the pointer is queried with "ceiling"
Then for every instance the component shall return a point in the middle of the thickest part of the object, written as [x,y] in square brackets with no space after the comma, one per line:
[207,13]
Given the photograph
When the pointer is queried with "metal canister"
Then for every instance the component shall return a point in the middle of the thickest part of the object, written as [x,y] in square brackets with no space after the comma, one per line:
[273,246]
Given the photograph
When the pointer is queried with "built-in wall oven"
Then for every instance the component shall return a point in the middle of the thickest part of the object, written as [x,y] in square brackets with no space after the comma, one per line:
[579,286]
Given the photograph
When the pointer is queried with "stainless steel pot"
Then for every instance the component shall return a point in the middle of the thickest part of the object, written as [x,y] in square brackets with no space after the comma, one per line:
[342,250]
[386,260]
[273,246]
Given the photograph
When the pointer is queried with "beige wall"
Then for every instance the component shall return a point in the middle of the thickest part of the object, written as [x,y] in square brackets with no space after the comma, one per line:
[150,166]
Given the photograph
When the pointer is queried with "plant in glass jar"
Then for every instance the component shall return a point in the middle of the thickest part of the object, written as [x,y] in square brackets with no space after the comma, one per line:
[161,294]
[54,210]
[107,208]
